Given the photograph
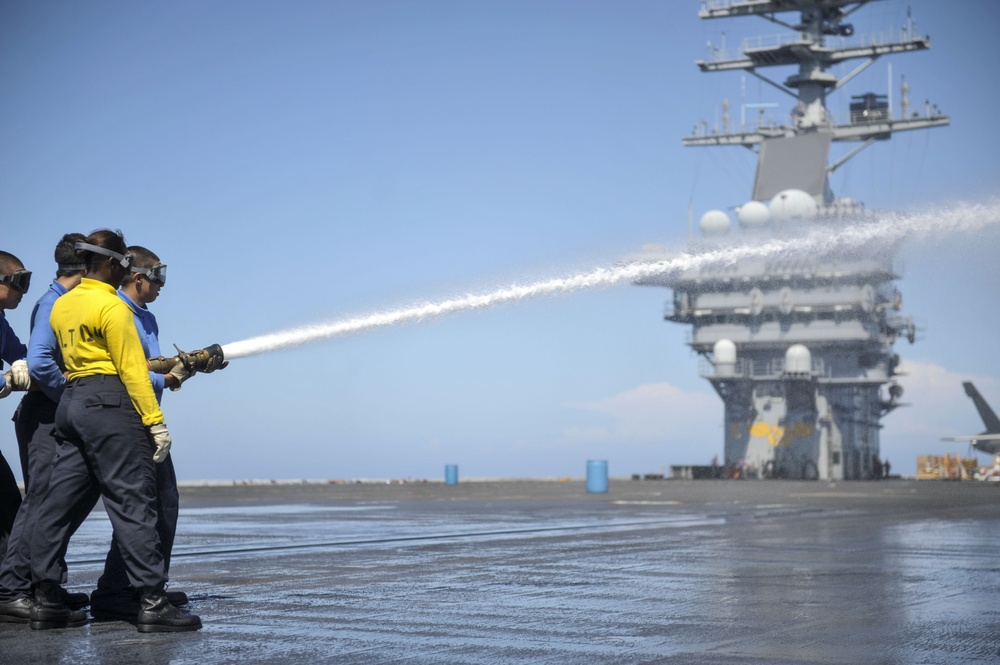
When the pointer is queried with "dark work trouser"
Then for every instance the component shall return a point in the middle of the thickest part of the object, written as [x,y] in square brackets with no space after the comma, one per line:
[34,424]
[114,581]
[104,446]
[10,501]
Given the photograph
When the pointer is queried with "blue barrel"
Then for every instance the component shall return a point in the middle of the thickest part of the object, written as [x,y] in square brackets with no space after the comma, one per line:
[451,474]
[597,476]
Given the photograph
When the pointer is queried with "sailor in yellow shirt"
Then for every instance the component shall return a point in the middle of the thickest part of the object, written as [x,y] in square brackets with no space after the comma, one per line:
[110,433]
[97,335]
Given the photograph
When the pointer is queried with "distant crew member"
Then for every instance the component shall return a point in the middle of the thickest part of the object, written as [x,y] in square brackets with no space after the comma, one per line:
[111,435]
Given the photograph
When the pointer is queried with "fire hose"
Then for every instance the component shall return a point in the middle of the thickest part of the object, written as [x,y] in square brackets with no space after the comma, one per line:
[205,360]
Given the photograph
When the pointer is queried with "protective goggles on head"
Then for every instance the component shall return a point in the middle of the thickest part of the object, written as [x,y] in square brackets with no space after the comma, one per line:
[19,280]
[125,260]
[157,274]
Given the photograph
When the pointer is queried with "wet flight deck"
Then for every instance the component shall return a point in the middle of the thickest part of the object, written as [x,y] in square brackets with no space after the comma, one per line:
[543,572]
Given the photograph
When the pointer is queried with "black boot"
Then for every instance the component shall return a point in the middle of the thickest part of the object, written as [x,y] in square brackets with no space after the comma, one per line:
[17,610]
[76,601]
[50,609]
[177,598]
[157,615]
[114,605]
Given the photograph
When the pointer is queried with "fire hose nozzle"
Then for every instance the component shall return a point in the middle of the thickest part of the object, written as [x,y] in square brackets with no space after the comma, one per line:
[205,360]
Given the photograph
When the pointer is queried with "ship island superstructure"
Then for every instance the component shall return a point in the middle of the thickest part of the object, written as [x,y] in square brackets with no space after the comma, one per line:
[800,348]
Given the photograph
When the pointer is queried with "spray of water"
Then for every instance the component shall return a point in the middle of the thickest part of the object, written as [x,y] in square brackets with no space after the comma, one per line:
[885,230]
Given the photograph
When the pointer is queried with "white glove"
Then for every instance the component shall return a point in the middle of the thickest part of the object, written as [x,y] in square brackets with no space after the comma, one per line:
[20,377]
[4,385]
[161,440]
[181,373]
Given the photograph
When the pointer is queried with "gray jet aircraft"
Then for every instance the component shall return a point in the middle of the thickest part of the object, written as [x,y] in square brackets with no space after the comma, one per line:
[989,441]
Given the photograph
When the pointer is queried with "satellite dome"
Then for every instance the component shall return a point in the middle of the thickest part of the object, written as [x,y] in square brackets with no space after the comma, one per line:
[793,205]
[724,351]
[753,215]
[798,359]
[714,223]
[725,357]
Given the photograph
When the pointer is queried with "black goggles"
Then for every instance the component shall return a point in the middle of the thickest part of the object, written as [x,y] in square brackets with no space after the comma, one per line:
[20,280]
[125,260]
[156,274]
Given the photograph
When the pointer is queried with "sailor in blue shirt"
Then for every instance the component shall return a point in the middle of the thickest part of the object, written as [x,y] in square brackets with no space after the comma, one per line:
[14,282]
[114,597]
[34,424]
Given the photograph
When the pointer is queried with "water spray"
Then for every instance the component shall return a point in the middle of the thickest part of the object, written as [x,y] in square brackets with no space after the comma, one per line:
[817,240]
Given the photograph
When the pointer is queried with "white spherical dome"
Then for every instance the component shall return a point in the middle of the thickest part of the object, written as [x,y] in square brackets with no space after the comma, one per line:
[725,358]
[753,215]
[798,359]
[724,351]
[793,205]
[714,223]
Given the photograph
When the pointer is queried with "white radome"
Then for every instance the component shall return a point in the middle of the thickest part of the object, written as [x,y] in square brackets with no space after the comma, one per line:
[753,215]
[724,351]
[792,205]
[714,223]
[798,359]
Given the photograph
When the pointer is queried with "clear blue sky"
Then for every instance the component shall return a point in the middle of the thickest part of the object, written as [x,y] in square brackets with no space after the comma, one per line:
[296,162]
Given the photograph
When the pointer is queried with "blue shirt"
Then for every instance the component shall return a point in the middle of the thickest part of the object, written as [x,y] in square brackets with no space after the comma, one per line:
[149,332]
[44,357]
[11,348]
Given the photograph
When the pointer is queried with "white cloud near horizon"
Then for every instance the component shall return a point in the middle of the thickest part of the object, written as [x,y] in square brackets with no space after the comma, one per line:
[938,403]
[650,414]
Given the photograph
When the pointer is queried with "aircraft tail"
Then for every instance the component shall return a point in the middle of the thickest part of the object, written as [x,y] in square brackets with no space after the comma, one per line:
[989,417]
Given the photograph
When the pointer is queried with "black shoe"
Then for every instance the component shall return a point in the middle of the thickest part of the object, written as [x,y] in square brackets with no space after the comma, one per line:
[17,610]
[115,610]
[111,606]
[46,617]
[157,615]
[114,604]
[177,598]
[76,601]
[49,610]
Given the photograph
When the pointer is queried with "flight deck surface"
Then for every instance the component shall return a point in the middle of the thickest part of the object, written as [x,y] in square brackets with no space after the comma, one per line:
[542,572]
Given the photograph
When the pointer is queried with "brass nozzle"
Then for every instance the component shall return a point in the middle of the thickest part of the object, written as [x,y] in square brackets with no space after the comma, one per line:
[205,360]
